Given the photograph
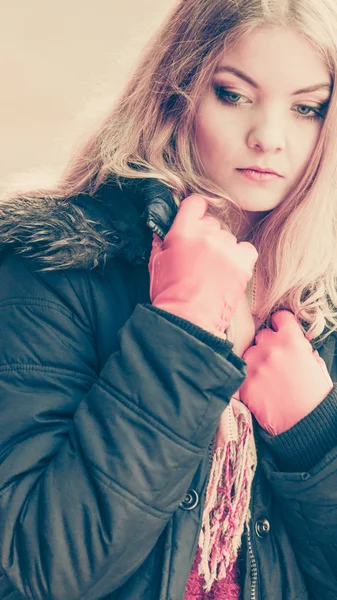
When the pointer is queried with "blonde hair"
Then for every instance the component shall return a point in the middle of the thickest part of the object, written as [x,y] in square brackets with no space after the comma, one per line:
[149,133]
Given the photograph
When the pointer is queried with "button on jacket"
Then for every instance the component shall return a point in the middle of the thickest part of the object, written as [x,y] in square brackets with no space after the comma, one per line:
[108,409]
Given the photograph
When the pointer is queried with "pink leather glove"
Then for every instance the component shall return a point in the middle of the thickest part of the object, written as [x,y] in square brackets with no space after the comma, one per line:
[286,380]
[199,271]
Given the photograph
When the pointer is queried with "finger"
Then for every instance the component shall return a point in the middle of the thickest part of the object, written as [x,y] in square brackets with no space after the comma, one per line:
[157,245]
[157,242]
[249,253]
[323,366]
[211,223]
[265,336]
[229,237]
[249,354]
[193,208]
[284,320]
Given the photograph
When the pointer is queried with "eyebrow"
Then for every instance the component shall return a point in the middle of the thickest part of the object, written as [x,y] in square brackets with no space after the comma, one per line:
[242,75]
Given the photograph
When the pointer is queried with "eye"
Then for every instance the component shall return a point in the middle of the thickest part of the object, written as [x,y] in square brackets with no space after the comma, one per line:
[311,112]
[227,96]
[304,110]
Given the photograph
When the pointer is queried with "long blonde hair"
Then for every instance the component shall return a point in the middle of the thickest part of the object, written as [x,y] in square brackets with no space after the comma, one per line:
[149,133]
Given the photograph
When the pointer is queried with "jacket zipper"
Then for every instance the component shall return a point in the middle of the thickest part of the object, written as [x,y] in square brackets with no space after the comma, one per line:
[253,567]
[253,561]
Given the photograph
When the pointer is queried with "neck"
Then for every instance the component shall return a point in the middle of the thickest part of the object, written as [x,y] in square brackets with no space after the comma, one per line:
[243,227]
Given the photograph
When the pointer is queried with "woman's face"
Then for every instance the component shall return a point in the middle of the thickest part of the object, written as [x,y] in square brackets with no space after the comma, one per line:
[264,110]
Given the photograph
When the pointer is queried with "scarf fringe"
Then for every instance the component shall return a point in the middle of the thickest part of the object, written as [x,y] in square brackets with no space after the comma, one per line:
[226,510]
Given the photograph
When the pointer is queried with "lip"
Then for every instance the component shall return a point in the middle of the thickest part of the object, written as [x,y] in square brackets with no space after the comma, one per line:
[260,170]
[259,177]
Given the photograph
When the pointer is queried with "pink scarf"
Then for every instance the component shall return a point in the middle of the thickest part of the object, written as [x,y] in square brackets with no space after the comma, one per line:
[226,509]
[226,589]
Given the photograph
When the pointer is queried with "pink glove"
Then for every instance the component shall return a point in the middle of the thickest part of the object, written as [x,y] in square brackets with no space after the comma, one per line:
[286,380]
[199,271]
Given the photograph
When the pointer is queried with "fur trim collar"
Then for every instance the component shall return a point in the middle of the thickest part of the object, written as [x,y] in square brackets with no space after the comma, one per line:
[85,231]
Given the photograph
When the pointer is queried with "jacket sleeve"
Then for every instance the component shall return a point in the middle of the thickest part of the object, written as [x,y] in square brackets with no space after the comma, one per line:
[301,466]
[92,465]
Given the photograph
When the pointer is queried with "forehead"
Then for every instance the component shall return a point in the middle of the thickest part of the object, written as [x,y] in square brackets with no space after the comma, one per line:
[279,57]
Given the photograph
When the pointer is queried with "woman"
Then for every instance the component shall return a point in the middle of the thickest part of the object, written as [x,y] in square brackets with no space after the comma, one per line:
[130,468]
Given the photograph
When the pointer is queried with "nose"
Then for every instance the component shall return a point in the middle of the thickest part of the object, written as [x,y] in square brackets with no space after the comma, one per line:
[267,134]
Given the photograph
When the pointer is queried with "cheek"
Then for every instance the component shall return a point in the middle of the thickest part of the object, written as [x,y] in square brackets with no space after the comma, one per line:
[305,146]
[215,137]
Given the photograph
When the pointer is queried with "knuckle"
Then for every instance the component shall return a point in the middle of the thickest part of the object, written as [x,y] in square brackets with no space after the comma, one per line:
[274,356]
[229,237]
[209,221]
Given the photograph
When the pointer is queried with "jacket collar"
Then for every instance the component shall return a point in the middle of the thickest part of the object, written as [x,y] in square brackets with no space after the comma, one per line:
[85,231]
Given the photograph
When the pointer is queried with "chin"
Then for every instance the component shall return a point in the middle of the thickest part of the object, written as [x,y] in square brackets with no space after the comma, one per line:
[258,207]
[259,201]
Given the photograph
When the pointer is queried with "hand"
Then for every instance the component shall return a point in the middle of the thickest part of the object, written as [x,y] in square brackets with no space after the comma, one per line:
[286,380]
[199,272]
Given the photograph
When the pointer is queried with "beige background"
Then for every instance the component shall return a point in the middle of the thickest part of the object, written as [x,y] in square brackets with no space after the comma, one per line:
[61,65]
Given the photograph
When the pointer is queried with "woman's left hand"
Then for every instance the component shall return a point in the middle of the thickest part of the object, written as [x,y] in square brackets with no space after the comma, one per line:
[286,380]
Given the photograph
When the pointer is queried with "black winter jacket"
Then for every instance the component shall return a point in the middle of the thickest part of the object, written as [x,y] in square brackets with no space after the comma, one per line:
[108,408]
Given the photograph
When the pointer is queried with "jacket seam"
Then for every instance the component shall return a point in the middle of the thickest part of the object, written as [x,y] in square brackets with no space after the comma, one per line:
[148,418]
[7,368]
[41,303]
[93,314]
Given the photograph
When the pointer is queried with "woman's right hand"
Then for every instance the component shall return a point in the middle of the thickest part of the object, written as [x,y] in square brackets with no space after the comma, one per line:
[199,271]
